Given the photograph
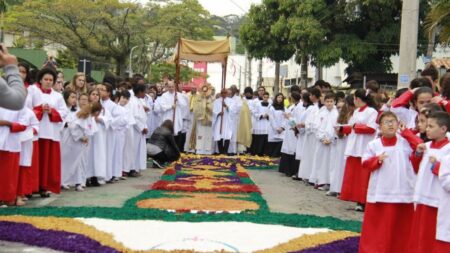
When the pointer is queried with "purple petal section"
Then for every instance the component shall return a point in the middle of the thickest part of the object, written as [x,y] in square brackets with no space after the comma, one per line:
[348,245]
[52,239]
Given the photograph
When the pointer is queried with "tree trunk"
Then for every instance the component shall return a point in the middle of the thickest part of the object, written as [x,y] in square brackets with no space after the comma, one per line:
[121,67]
[260,78]
[304,72]
[276,83]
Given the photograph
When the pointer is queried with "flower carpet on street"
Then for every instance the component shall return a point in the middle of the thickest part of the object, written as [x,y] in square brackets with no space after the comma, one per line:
[200,204]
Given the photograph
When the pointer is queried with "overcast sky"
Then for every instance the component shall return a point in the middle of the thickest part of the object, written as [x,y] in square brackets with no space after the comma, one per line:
[225,7]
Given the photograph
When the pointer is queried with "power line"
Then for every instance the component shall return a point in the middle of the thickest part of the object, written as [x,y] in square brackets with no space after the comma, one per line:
[237,5]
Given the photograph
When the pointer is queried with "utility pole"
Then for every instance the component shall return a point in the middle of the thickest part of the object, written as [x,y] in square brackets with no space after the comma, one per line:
[240,77]
[408,42]
[245,69]
[249,71]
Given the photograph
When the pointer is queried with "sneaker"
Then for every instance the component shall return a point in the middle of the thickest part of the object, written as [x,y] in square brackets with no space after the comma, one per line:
[79,188]
[65,187]
[332,194]
[359,208]
[156,165]
[323,188]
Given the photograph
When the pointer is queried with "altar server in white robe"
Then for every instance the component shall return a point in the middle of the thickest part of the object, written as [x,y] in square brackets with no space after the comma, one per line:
[222,121]
[12,123]
[307,156]
[428,189]
[327,117]
[443,221]
[121,134]
[288,164]
[308,107]
[140,128]
[130,137]
[261,127]
[389,211]
[337,164]
[276,130]
[50,114]
[25,186]
[153,120]
[170,106]
[235,116]
[75,140]
[117,121]
[97,156]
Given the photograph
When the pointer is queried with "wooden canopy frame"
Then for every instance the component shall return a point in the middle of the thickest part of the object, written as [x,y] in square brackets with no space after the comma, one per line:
[208,51]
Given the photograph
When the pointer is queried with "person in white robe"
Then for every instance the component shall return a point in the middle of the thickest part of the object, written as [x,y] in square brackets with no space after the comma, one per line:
[237,101]
[97,154]
[276,129]
[307,154]
[140,129]
[170,106]
[223,108]
[75,140]
[117,122]
[261,127]
[201,139]
[288,164]
[327,117]
[188,123]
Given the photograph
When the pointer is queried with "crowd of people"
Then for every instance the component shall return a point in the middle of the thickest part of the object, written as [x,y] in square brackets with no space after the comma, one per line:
[391,156]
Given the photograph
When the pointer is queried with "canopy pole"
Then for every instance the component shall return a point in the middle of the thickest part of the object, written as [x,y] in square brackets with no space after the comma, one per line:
[224,72]
[177,66]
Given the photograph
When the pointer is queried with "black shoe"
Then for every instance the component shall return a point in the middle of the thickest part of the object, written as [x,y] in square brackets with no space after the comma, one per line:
[44,194]
[94,182]
[133,173]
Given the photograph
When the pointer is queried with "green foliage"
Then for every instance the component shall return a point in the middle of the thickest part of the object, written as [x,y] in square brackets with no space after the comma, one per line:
[20,42]
[108,29]
[364,33]
[159,70]
[66,59]
[439,18]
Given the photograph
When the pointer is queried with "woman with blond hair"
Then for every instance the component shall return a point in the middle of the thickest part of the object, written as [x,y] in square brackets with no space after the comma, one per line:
[78,83]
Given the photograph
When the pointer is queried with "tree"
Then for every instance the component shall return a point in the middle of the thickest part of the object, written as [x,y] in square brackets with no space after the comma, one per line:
[439,18]
[161,27]
[95,28]
[66,59]
[264,34]
[159,70]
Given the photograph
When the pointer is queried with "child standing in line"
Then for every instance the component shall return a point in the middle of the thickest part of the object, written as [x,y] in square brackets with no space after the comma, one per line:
[443,221]
[11,124]
[361,130]
[327,117]
[428,190]
[389,208]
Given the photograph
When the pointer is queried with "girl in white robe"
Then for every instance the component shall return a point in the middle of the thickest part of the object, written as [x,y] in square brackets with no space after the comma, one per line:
[76,140]
[288,164]
[261,127]
[310,140]
[276,129]
[97,154]
[337,163]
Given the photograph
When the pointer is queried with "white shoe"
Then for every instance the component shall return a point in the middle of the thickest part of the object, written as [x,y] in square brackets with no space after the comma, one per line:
[65,187]
[79,188]
[332,194]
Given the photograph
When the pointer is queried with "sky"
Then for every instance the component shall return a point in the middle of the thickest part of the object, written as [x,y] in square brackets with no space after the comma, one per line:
[225,7]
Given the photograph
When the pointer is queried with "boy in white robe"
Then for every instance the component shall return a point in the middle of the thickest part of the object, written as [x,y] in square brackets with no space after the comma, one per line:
[222,124]
[237,101]
[443,221]
[327,117]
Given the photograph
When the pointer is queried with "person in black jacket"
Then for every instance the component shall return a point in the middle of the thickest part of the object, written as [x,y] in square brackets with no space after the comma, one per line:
[162,147]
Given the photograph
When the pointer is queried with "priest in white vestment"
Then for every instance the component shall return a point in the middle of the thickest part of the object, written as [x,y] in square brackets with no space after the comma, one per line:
[223,108]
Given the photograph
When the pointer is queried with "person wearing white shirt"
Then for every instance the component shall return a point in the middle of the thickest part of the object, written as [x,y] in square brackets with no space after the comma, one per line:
[171,106]
[222,125]
[276,129]
[389,209]
[361,130]
[50,114]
